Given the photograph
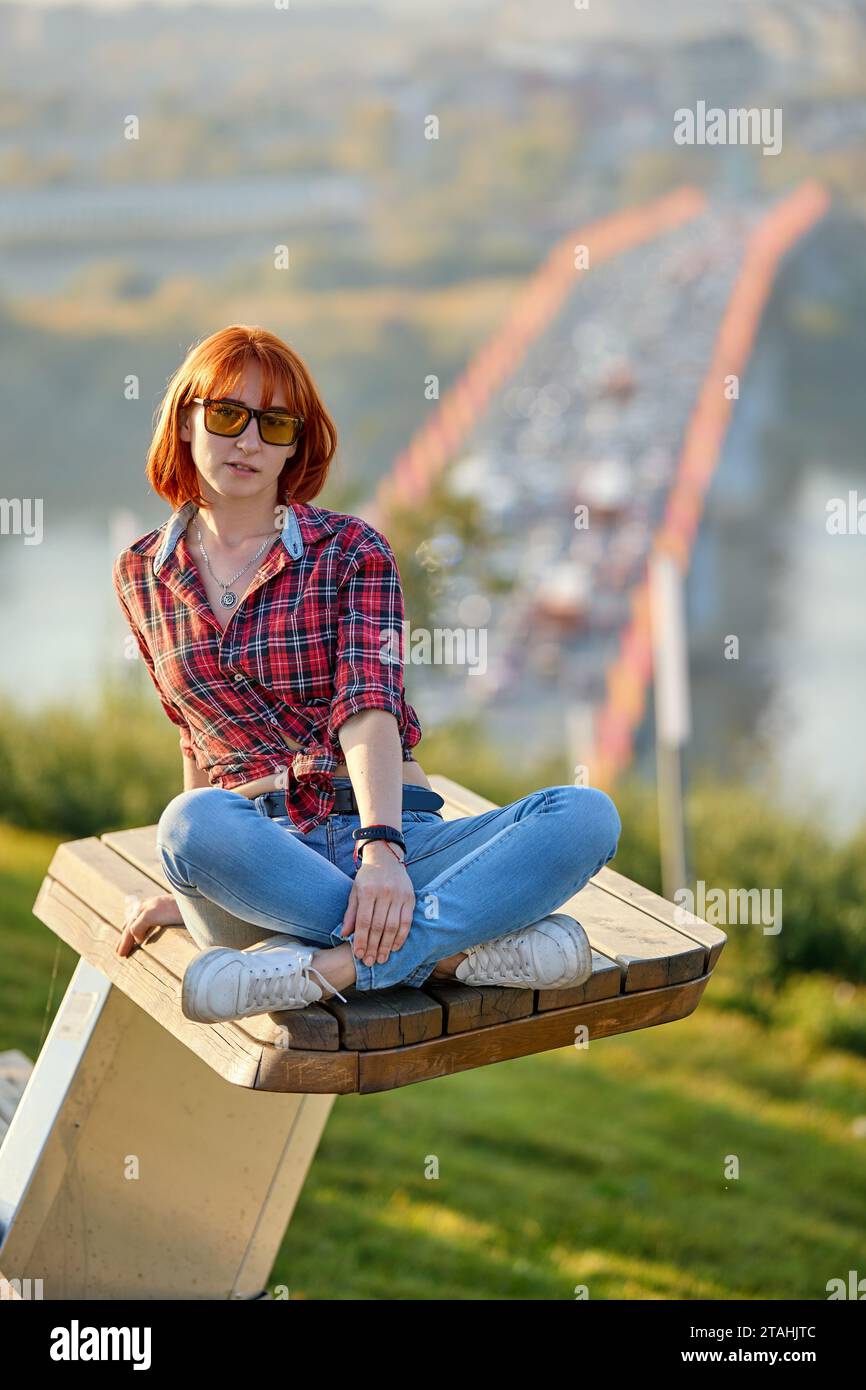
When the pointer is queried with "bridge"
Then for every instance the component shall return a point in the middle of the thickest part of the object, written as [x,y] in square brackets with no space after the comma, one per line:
[604,397]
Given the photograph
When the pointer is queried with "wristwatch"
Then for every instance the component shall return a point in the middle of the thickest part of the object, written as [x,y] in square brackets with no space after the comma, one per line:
[365,833]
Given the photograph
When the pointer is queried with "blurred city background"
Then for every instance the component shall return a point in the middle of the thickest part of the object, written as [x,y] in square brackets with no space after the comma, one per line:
[558,386]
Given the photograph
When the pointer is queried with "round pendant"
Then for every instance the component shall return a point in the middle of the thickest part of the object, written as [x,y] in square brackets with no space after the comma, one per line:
[228,599]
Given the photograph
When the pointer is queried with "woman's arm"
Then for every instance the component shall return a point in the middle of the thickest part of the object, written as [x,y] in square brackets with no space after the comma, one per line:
[371,743]
[382,899]
[192,774]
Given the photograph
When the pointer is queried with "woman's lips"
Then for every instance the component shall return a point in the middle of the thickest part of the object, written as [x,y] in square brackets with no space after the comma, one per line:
[240,467]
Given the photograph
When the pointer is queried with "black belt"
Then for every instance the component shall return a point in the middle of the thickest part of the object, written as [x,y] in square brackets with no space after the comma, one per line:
[415,798]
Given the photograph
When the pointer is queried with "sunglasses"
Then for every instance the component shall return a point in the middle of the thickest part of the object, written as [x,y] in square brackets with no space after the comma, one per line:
[230,418]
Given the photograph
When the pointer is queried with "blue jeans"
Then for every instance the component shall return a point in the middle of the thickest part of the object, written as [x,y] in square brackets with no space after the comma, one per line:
[240,876]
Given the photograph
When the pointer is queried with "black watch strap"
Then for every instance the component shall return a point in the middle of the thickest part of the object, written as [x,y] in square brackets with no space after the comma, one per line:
[377,832]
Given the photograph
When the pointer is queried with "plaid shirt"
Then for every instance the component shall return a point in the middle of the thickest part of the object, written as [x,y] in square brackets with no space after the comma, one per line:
[317,637]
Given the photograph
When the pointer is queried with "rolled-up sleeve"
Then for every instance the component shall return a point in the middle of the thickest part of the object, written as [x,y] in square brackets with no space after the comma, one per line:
[186,744]
[368,670]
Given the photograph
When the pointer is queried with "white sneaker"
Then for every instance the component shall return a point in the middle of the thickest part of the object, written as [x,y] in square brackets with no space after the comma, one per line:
[221,983]
[553,953]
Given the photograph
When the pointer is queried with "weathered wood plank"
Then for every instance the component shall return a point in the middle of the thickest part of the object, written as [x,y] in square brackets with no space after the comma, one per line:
[313,1028]
[687,924]
[477,1006]
[138,846]
[288,1069]
[385,1017]
[386,1070]
[648,953]
[603,982]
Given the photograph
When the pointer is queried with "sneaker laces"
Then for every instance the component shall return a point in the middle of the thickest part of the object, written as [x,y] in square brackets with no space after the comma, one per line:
[267,983]
[508,956]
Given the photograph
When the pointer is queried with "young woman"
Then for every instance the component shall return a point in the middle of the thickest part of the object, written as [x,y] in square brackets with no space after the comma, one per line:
[272,629]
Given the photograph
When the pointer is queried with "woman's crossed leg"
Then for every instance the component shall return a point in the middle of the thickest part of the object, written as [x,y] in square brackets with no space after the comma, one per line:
[240,877]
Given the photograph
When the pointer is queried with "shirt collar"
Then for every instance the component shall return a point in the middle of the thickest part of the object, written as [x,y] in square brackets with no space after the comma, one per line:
[304,523]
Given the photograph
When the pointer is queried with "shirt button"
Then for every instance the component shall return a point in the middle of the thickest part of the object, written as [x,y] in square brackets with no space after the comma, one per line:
[238,677]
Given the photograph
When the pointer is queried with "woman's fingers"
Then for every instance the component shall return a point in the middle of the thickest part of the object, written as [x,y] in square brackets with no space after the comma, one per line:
[406,912]
[373,907]
[390,932]
[136,929]
[381,950]
[351,913]
[399,922]
[364,901]
[126,942]
[394,929]
[374,932]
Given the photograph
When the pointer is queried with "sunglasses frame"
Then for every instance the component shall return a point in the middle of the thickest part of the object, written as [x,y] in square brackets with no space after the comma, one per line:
[250,411]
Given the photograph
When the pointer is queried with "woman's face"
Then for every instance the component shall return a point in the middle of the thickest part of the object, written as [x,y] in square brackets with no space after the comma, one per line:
[213,454]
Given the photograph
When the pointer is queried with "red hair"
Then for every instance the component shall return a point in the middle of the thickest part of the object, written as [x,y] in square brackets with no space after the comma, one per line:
[213,368]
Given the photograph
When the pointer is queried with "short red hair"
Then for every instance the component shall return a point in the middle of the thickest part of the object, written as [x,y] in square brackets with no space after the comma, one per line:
[213,368]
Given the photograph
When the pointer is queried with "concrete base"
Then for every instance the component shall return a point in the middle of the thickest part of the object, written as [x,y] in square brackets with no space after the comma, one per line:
[132,1170]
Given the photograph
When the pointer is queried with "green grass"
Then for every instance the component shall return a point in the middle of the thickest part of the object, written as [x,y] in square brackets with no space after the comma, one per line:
[604,1168]
[36,965]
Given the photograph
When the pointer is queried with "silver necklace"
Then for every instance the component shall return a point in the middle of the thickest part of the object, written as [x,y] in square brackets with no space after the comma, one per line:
[228,599]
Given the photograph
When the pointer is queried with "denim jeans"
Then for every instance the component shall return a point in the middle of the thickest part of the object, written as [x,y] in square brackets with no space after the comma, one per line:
[241,877]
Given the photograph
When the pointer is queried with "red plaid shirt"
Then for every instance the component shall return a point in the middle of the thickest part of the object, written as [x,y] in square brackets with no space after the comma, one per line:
[317,637]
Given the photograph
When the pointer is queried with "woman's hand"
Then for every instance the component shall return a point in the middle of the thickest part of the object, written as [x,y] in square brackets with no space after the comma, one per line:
[143,916]
[380,905]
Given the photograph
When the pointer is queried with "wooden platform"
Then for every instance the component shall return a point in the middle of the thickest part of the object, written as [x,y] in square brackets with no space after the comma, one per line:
[647,970]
